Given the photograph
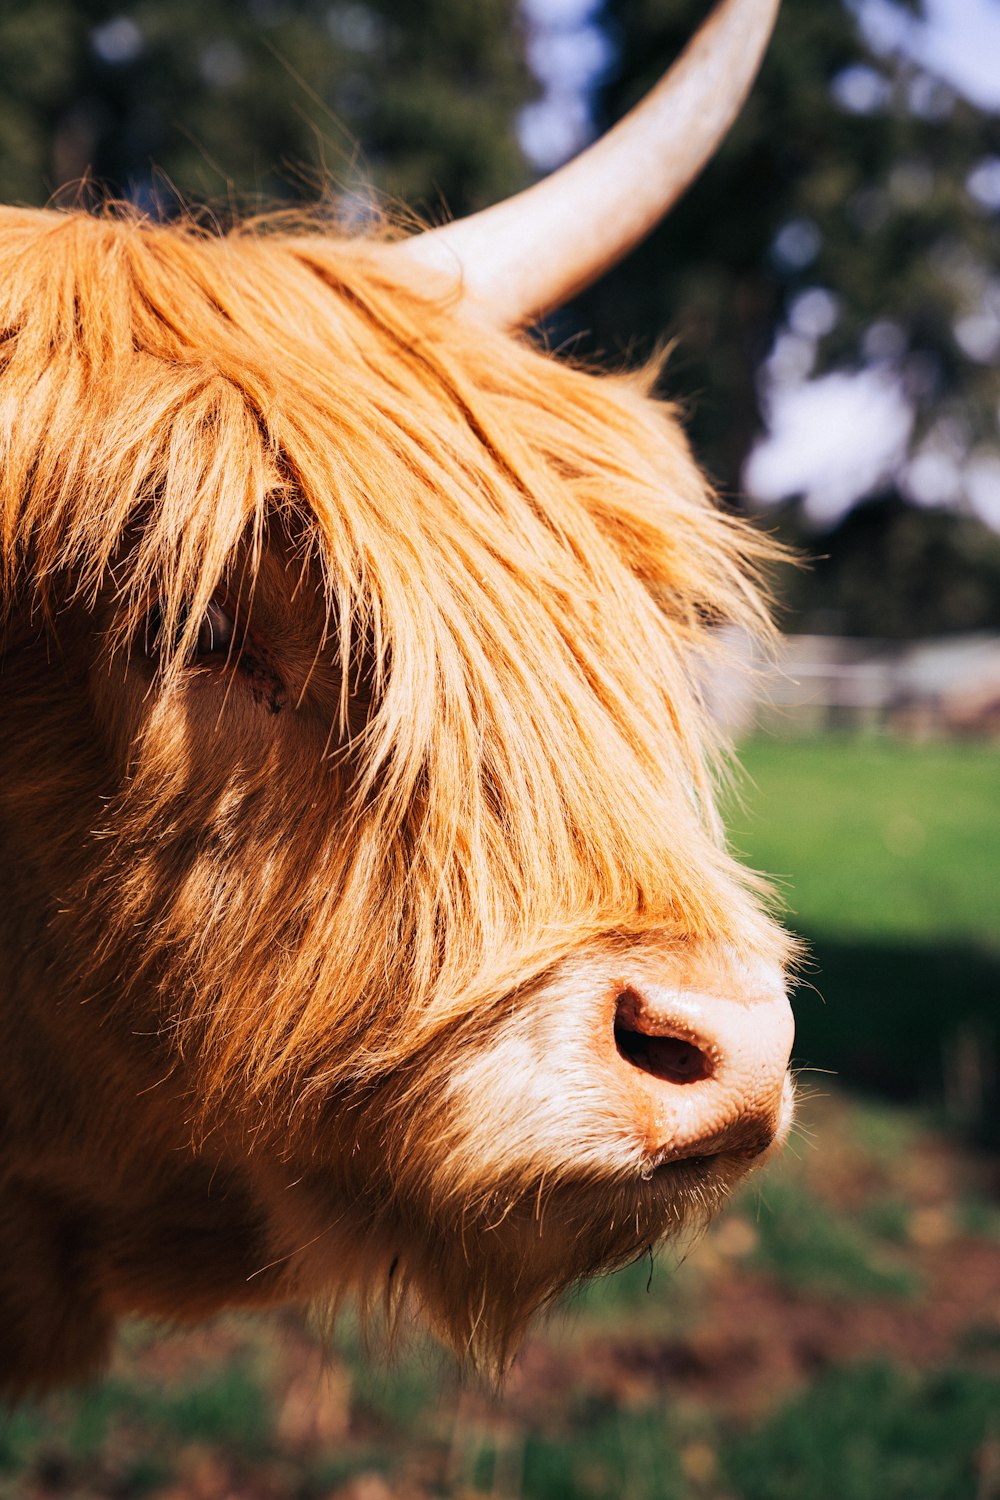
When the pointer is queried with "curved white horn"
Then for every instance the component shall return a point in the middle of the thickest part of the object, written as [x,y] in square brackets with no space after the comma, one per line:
[534,251]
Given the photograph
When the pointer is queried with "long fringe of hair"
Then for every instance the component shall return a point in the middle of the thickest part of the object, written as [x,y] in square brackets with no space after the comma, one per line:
[524,553]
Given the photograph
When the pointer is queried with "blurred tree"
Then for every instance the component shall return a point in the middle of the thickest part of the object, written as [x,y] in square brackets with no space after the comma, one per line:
[850,221]
[256,101]
[894,571]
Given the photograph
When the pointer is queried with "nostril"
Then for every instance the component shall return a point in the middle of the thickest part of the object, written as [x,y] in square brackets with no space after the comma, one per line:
[671,1058]
[665,1057]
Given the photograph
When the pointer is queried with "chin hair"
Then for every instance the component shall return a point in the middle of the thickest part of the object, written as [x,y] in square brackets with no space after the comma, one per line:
[486,1269]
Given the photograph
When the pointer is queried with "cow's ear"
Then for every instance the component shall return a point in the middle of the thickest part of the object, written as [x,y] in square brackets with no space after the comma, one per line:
[531,253]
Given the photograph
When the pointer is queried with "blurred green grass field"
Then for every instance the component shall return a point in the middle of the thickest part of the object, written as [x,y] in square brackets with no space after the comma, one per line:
[887,857]
[835,1335]
[877,839]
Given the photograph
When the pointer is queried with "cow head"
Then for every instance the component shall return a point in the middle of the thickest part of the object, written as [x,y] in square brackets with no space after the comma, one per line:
[370,926]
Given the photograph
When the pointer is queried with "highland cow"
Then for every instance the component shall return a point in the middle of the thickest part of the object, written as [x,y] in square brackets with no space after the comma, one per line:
[369,927]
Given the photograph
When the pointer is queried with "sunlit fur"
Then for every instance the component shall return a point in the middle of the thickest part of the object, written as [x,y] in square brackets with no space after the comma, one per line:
[278,933]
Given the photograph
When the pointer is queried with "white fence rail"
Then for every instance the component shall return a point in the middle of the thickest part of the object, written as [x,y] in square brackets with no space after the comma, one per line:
[919,689]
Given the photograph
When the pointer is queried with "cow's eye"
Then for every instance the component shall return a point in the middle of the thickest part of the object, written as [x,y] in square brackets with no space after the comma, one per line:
[215,633]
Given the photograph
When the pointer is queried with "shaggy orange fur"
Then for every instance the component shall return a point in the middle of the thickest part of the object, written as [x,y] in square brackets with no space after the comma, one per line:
[265,903]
